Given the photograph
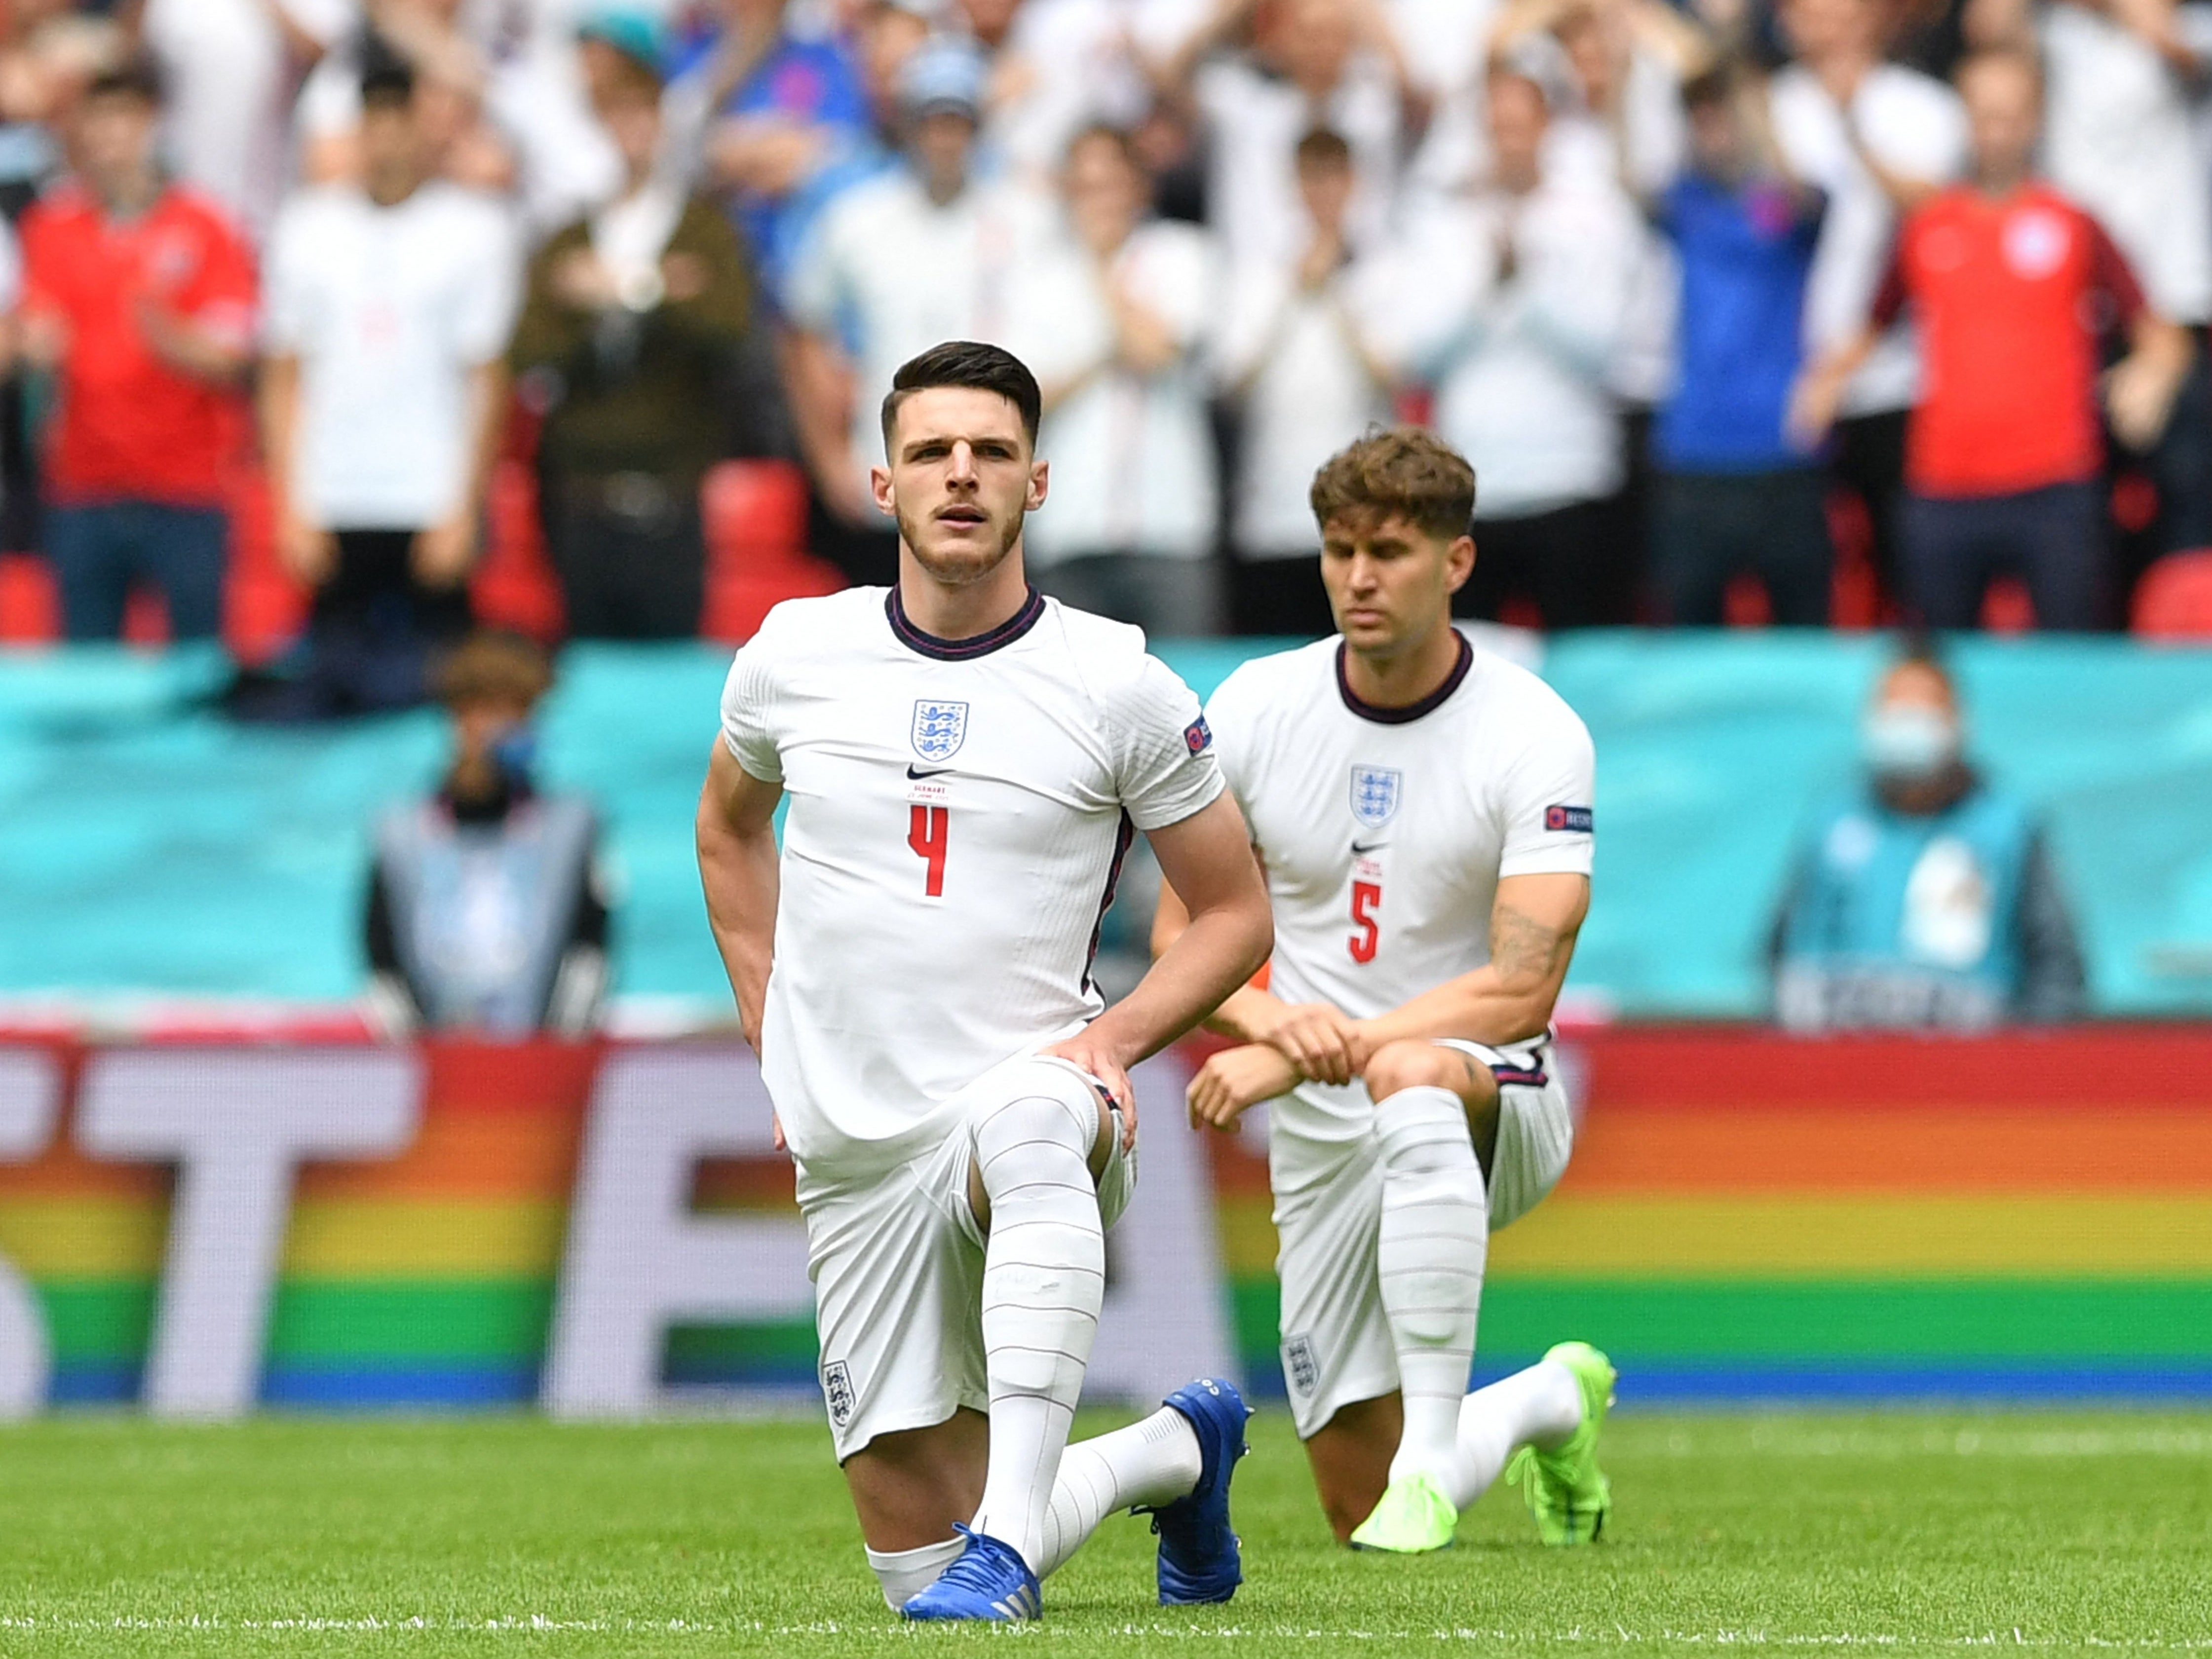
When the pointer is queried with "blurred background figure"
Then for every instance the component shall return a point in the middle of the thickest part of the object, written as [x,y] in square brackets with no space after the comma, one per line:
[390,307]
[1300,352]
[487,906]
[1876,139]
[1735,491]
[1522,291]
[140,303]
[629,318]
[1928,898]
[2015,288]
[924,253]
[1113,319]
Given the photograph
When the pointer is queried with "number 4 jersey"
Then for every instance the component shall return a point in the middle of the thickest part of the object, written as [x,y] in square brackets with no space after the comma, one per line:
[958,810]
[1385,831]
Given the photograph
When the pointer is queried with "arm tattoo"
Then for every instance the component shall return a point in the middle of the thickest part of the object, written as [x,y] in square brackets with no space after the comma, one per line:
[1523,948]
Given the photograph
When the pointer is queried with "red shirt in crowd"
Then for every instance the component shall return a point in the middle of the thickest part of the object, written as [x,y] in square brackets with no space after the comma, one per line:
[2013,298]
[129,427]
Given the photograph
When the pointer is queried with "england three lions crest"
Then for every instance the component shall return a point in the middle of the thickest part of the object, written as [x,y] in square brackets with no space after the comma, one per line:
[939,728]
[1374,791]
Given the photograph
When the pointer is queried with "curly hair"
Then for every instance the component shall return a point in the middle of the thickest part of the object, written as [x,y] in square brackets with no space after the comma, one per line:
[1403,471]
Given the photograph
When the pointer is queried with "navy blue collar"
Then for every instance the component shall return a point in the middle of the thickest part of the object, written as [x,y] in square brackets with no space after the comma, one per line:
[979,645]
[1412,711]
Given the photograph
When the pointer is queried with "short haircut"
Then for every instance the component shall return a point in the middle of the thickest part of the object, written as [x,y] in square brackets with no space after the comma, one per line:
[1716,85]
[388,79]
[137,76]
[494,666]
[1105,132]
[1323,147]
[1398,472]
[967,363]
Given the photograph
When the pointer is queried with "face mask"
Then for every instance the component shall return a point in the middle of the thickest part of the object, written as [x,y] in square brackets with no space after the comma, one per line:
[515,752]
[1907,743]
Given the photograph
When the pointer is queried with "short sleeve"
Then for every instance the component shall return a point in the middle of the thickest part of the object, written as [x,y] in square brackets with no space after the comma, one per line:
[1545,799]
[1169,771]
[223,300]
[749,712]
[486,317]
[813,292]
[1229,720]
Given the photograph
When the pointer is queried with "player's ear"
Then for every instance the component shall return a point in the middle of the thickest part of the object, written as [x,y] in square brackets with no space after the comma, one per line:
[1040,485]
[879,486]
[1458,562]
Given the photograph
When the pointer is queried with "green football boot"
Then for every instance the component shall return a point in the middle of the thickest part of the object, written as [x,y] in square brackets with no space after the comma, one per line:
[1414,1518]
[1568,1493]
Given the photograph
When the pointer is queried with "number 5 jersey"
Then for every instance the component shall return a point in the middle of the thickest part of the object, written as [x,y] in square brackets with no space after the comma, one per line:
[958,811]
[1385,831]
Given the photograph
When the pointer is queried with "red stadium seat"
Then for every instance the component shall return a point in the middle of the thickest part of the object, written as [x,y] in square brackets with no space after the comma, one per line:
[30,608]
[2173,601]
[514,586]
[757,554]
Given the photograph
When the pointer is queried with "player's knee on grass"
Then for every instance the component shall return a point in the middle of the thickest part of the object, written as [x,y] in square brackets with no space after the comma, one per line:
[1414,1064]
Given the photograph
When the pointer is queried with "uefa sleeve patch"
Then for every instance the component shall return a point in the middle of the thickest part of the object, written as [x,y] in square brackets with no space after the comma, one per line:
[1198,737]
[1572,820]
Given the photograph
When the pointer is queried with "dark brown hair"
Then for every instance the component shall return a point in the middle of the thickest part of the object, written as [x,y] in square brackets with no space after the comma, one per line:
[1404,472]
[494,666]
[970,364]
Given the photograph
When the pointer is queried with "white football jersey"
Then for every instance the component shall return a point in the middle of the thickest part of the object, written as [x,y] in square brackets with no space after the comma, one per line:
[1385,831]
[958,811]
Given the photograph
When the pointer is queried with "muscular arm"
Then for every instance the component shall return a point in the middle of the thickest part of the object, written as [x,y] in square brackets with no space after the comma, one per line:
[1207,858]
[1251,1012]
[1533,924]
[738,869]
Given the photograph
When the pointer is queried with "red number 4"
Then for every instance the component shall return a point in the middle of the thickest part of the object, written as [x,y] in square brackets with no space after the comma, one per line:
[927,834]
[1365,896]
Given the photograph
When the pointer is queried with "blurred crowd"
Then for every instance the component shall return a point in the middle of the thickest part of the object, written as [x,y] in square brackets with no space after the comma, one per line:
[1736,298]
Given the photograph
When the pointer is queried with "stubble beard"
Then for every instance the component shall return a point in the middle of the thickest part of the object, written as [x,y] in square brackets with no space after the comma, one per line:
[962,568]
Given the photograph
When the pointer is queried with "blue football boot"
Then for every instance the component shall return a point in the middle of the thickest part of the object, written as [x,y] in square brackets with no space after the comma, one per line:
[990,1581]
[1199,1560]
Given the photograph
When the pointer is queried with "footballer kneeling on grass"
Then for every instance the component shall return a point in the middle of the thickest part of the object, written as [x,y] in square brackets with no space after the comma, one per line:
[1422,813]
[965,762]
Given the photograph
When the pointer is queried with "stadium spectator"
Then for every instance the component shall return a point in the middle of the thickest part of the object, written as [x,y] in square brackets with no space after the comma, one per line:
[629,318]
[487,906]
[233,70]
[1520,295]
[1312,63]
[2122,97]
[1735,492]
[769,107]
[1059,66]
[1300,352]
[1927,898]
[919,254]
[390,306]
[140,300]
[1876,139]
[1112,316]
[2013,286]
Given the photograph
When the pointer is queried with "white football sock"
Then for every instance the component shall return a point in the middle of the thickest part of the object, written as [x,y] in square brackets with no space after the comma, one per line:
[904,1574]
[1539,1407]
[1151,1463]
[1044,1276]
[1429,1256]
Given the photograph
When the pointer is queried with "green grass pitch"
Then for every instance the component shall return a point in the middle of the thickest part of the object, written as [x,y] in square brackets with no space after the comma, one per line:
[2065,1531]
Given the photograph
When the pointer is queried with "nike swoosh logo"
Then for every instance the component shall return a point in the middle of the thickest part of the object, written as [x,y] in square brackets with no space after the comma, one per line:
[917,773]
[1370,846]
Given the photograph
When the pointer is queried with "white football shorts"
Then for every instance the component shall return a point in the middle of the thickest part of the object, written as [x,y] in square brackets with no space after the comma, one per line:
[897,1264]
[1329,1211]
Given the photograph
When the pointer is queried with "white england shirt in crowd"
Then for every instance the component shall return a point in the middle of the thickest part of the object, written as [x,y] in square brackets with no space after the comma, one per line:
[1254,122]
[388,310]
[1307,390]
[1916,127]
[1067,64]
[888,273]
[1521,366]
[2118,137]
[1386,831]
[958,814]
[230,86]
[1441,40]
[1132,455]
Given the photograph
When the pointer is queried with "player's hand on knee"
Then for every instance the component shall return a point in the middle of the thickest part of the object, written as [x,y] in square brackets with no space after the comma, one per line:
[1235,1080]
[1317,1038]
[1096,1055]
